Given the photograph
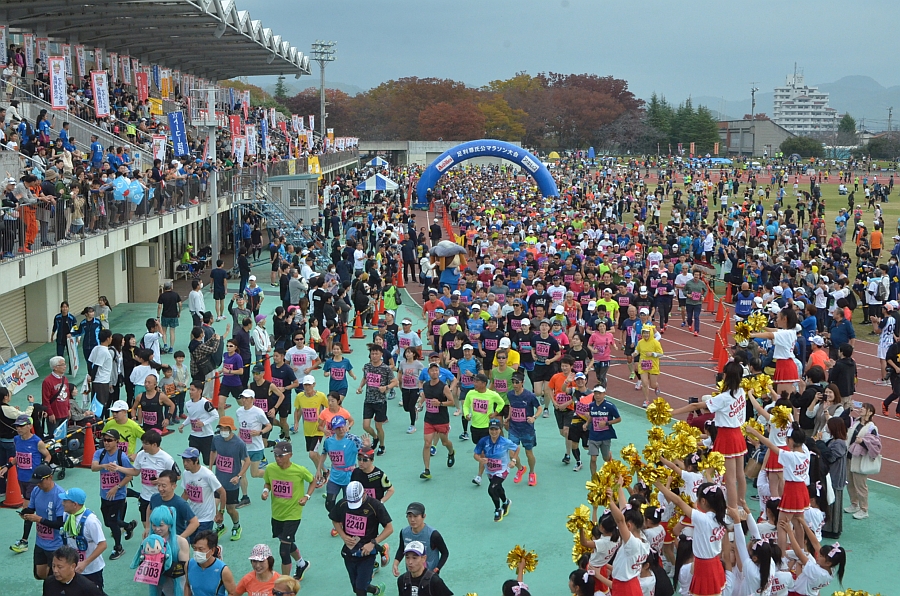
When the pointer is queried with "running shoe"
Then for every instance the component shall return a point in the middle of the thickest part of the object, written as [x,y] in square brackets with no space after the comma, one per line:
[884,410]
[506,507]
[380,590]
[333,533]
[426,475]
[220,529]
[263,464]
[638,385]
[519,474]
[577,467]
[851,509]
[631,377]
[451,459]
[245,500]
[861,514]
[882,383]
[477,480]
[117,553]
[546,414]
[433,450]
[645,404]
[410,430]
[684,324]
[464,437]
[22,545]
[532,479]
[498,515]
[385,556]
[696,334]
[300,570]
[566,459]
[129,529]
[236,533]
[897,415]
[380,450]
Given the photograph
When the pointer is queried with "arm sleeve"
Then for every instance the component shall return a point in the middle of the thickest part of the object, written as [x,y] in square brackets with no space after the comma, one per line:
[438,544]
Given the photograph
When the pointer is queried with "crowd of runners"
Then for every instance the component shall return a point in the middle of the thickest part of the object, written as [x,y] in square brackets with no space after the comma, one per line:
[550,293]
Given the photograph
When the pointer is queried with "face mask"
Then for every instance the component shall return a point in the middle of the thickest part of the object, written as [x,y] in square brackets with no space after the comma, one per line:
[200,557]
[225,434]
[103,178]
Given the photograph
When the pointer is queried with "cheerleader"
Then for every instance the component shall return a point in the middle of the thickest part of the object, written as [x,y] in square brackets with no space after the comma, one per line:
[782,578]
[814,572]
[768,526]
[729,408]
[778,436]
[708,518]
[604,542]
[795,499]
[784,338]
[654,532]
[755,562]
[692,478]
[633,551]
[684,565]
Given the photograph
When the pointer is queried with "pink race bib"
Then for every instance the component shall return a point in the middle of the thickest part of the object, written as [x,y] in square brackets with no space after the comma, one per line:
[561,398]
[696,295]
[542,349]
[310,414]
[148,477]
[337,374]
[517,414]
[404,342]
[44,532]
[494,465]
[150,417]
[194,493]
[277,382]
[282,489]
[123,446]
[491,344]
[646,365]
[500,385]
[409,381]
[480,406]
[337,458]
[224,464]
[373,379]
[23,460]
[355,525]
[370,492]
[298,360]
[108,480]
[599,423]
[430,407]
[262,404]
[466,379]
[244,434]
[197,426]
[148,572]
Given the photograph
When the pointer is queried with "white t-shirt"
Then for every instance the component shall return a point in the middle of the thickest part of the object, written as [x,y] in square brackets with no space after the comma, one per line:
[604,549]
[102,358]
[359,259]
[648,585]
[815,519]
[201,487]
[729,409]
[655,537]
[93,533]
[301,360]
[784,344]
[685,575]
[202,417]
[796,465]
[782,583]
[247,420]
[680,280]
[150,467]
[631,556]
[708,534]
[692,481]
[812,579]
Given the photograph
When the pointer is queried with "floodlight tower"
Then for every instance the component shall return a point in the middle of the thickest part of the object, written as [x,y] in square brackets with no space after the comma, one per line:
[322,52]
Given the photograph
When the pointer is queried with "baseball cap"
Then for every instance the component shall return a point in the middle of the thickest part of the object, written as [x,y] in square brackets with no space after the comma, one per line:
[559,310]
[406,322]
[495,423]
[643,290]
[41,472]
[599,389]
[817,339]
[252,278]
[112,433]
[644,311]
[248,393]
[22,420]
[416,508]
[481,377]
[338,422]
[260,318]
[592,305]
[505,343]
[191,453]
[76,495]
[778,290]
[439,310]
[432,291]
[452,321]
[355,494]
[284,447]
[120,405]
[580,376]
[468,347]
[260,552]
[456,293]
[227,422]
[774,308]
[309,380]
[476,307]
[259,368]
[415,547]
[525,322]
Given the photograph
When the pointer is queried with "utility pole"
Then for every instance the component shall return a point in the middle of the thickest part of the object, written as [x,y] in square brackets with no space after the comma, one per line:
[322,52]
[890,113]
[753,90]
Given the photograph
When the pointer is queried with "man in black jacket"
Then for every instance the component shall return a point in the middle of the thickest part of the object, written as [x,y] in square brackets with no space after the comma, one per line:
[843,373]
[64,580]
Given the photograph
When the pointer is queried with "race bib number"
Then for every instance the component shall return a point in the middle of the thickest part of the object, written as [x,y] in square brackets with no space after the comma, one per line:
[624,302]
[337,458]
[244,433]
[227,367]
[355,525]
[337,374]
[561,398]
[44,532]
[298,360]
[494,465]
[224,464]
[373,379]
[435,330]
[696,295]
[404,342]
[517,414]
[277,382]
[148,477]
[23,460]
[501,385]
[454,369]
[123,446]
[262,404]
[581,408]
[148,572]
[431,315]
[646,365]
[491,344]
[662,291]
[370,492]
[542,350]
[480,406]
[430,407]
[194,493]
[516,324]
[310,414]
[409,381]
[578,366]
[466,379]
[197,426]
[108,480]
[282,489]
[599,423]
[151,417]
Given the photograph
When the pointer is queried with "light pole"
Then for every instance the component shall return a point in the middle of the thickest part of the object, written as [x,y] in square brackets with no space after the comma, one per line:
[753,91]
[322,52]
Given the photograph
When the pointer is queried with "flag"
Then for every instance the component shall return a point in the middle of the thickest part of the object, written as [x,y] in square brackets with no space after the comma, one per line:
[81,58]
[312,122]
[264,136]
[238,147]
[692,149]
[43,45]
[135,68]
[113,66]
[716,148]
[309,138]
[178,134]
[295,123]
[143,89]
[283,126]
[251,139]
[67,56]
[29,52]
[330,134]
[98,58]
[3,56]
[235,125]
[100,88]
[126,70]
[159,147]
[271,117]
[57,70]
[245,105]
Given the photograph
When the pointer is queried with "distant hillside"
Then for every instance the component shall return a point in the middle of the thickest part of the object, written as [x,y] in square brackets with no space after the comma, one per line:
[308,82]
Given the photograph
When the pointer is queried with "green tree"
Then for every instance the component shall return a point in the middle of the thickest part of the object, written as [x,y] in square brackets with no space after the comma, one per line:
[803,146]
[847,125]
[883,147]
[501,121]
[281,90]
[660,114]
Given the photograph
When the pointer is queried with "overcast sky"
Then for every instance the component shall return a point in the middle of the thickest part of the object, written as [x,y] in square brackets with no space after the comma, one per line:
[698,47]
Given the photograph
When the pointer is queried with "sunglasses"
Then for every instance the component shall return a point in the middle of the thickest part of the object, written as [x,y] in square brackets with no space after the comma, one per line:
[105,440]
[366,459]
[298,339]
[277,593]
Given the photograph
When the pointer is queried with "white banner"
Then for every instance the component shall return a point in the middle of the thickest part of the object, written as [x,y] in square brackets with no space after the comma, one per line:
[81,58]
[250,129]
[312,122]
[126,70]
[113,66]
[3,56]
[309,139]
[43,45]
[67,54]
[29,52]
[295,123]
[98,58]
[135,68]
[57,72]
[239,146]
[100,87]
[159,148]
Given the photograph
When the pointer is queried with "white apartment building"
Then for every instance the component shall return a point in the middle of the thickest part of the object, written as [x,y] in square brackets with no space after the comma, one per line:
[801,109]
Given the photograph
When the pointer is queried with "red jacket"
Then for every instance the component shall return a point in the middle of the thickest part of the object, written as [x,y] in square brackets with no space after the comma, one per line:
[55,393]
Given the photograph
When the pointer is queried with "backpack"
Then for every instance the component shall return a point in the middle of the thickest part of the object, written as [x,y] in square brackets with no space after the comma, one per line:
[424,585]
[881,293]
[851,301]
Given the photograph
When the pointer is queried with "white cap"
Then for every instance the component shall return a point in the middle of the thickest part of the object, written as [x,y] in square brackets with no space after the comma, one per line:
[774,308]
[355,493]
[505,343]
[559,310]
[476,307]
[248,393]
[643,290]
[664,274]
[252,278]
[644,311]
[817,339]
[309,380]
[778,290]
[120,405]
[406,322]
[452,321]
[468,347]
[758,300]
[599,389]
[525,322]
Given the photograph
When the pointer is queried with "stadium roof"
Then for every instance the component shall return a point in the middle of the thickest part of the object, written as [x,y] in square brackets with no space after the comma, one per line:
[207,38]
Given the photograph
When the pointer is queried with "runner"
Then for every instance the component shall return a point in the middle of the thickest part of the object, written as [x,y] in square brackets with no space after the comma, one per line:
[201,489]
[31,454]
[378,379]
[268,398]
[603,415]
[113,489]
[130,432]
[409,370]
[286,482]
[481,407]
[493,452]
[82,531]
[650,351]
[310,404]
[435,396]
[524,408]
[46,510]
[433,546]
[252,423]
[203,418]
[284,378]
[336,370]
[231,460]
[342,449]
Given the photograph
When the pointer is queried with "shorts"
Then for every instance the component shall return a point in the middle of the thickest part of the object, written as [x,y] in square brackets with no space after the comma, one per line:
[577,432]
[542,373]
[233,497]
[312,443]
[217,295]
[596,448]
[478,434]
[629,351]
[285,531]
[333,488]
[682,302]
[378,411]
[144,508]
[230,391]
[527,441]
[169,322]
[275,265]
[563,418]
[284,410]
[43,557]
[442,429]
[257,455]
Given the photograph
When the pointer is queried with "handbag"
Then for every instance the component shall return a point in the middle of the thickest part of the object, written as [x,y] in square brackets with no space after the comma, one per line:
[753,467]
[867,466]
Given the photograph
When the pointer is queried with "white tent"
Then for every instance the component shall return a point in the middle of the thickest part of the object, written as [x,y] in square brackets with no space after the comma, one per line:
[378,182]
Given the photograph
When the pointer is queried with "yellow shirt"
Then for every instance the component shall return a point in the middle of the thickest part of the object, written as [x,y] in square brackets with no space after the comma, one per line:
[612,307]
[309,408]
[645,347]
[512,360]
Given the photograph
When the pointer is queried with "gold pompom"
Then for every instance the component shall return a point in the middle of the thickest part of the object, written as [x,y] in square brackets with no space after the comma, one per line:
[682,427]
[659,412]
[518,554]
[580,520]
[605,479]
[780,417]
[579,550]
[757,322]
[754,424]
[631,456]
[656,433]
[713,461]
[742,332]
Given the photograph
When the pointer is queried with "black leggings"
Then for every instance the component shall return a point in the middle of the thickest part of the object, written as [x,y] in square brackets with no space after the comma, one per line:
[665,307]
[895,392]
[114,518]
[410,396]
[496,491]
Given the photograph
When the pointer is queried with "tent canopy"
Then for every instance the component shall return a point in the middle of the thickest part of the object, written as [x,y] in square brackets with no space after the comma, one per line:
[553,155]
[378,182]
[377,162]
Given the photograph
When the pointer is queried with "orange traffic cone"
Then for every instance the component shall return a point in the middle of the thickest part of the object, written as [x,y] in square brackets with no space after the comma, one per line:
[725,330]
[710,300]
[399,283]
[376,312]
[13,490]
[217,383]
[87,456]
[345,343]
[358,327]
[717,347]
[267,368]
[728,297]
[723,355]
[720,313]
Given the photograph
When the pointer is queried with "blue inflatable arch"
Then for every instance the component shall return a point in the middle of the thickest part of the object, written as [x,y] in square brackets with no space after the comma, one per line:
[486,148]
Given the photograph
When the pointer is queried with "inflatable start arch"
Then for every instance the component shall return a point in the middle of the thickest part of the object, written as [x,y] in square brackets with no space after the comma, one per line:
[485,148]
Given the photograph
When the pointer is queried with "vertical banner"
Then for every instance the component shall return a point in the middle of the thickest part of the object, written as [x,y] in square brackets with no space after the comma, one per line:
[135,69]
[57,70]
[716,148]
[295,123]
[159,147]
[3,57]
[126,69]
[312,122]
[264,136]
[245,104]
[143,89]
[67,55]
[235,125]
[98,58]
[330,133]
[29,52]
[178,134]
[283,126]
[271,117]
[238,148]
[43,45]
[309,138]
[692,149]
[231,98]
[81,58]
[113,66]
[100,88]
[156,83]
[251,139]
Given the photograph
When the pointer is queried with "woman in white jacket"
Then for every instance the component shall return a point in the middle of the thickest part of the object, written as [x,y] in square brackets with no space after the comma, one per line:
[260,338]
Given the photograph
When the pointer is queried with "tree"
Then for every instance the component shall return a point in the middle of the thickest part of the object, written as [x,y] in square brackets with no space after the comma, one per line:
[280,90]
[803,146]
[883,147]
[847,125]
[760,116]
[501,121]
[459,121]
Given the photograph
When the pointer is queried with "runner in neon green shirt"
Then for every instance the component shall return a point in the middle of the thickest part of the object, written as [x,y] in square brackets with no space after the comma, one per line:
[480,406]
[286,482]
